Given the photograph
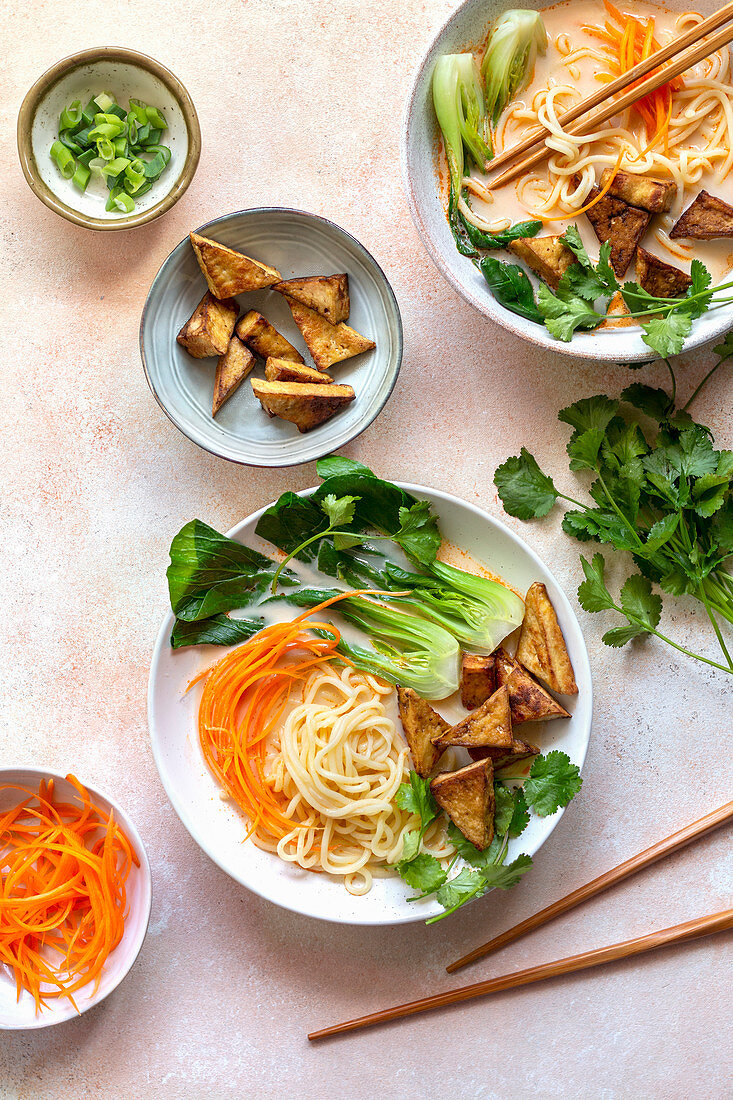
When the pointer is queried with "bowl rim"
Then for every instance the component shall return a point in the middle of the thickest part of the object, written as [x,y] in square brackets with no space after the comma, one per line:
[137,841]
[278,210]
[609,351]
[183,812]
[43,85]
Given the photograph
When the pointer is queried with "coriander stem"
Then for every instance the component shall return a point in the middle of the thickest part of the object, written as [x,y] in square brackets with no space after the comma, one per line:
[687,652]
[617,510]
[716,628]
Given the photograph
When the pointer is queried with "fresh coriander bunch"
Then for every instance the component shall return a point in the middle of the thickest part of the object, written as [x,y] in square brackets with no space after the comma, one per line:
[663,495]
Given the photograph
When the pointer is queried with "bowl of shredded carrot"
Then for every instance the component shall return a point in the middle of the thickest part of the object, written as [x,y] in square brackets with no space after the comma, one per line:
[75,895]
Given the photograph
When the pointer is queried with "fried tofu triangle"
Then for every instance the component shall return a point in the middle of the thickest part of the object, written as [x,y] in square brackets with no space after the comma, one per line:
[705,219]
[282,370]
[467,796]
[541,647]
[618,311]
[620,224]
[264,339]
[228,272]
[209,328]
[302,404]
[488,726]
[326,294]
[643,191]
[528,700]
[478,679]
[548,257]
[659,278]
[420,723]
[520,750]
[231,370]
[327,343]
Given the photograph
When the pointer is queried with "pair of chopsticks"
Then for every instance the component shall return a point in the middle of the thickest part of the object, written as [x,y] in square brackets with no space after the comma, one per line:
[678,933]
[625,83]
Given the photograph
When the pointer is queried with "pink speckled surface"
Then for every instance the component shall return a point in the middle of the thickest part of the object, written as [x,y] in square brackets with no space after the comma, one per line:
[300,103]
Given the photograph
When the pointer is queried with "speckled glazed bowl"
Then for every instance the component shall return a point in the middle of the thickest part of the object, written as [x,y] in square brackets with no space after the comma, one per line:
[123,73]
[466,30]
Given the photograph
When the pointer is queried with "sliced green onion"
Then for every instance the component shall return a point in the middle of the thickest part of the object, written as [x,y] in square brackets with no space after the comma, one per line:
[81,137]
[154,167]
[86,157]
[97,165]
[104,101]
[106,149]
[115,109]
[143,134]
[81,177]
[64,160]
[70,116]
[154,137]
[138,109]
[70,143]
[132,127]
[89,112]
[121,146]
[116,166]
[119,200]
[155,118]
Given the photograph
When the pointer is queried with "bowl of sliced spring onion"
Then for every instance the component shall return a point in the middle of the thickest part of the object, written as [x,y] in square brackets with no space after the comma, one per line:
[108,138]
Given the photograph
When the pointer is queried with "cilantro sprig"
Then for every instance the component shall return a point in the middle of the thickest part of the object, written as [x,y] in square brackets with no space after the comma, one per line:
[552,783]
[663,495]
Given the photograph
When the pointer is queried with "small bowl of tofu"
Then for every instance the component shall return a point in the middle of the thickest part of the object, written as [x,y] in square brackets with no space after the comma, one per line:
[271,337]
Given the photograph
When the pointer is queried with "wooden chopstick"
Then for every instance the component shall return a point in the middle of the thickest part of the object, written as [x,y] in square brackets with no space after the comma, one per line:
[637,73]
[604,882]
[656,80]
[679,933]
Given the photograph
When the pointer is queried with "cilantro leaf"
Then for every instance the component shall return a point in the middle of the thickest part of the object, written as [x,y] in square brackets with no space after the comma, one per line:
[504,876]
[666,335]
[467,884]
[552,783]
[410,845]
[416,797]
[620,635]
[503,809]
[424,873]
[592,593]
[520,814]
[604,270]
[524,490]
[701,280]
[571,239]
[661,532]
[417,531]
[583,449]
[709,493]
[562,316]
[639,603]
[340,510]
[653,403]
[589,413]
[722,528]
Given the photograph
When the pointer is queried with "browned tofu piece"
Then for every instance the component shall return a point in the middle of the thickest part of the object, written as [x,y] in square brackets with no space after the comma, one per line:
[528,700]
[548,257]
[541,647]
[478,679]
[618,312]
[519,750]
[647,193]
[327,343]
[283,370]
[619,223]
[264,339]
[209,328]
[705,219]
[421,723]
[489,726]
[326,294]
[301,403]
[467,796]
[231,370]
[658,278]
[228,272]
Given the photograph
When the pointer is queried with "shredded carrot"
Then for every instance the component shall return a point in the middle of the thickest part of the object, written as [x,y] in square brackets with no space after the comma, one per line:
[244,697]
[63,869]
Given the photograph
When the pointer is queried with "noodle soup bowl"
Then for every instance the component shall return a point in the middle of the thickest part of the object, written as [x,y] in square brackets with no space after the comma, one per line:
[20,1014]
[425,181]
[219,828]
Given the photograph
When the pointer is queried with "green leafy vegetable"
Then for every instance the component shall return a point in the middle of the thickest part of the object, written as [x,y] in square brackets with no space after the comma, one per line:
[507,66]
[218,630]
[552,782]
[665,497]
[511,287]
[458,100]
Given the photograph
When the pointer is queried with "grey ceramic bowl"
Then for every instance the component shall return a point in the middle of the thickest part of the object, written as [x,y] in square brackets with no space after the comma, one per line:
[295,243]
[123,73]
[466,30]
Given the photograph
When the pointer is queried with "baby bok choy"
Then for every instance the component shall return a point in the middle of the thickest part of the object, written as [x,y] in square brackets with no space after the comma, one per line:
[461,113]
[518,36]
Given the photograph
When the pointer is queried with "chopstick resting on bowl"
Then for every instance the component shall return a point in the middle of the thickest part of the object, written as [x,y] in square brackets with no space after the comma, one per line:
[604,882]
[627,84]
[678,933]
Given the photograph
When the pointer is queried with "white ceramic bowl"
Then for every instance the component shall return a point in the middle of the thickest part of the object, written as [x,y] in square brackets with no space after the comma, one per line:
[21,1015]
[465,30]
[217,826]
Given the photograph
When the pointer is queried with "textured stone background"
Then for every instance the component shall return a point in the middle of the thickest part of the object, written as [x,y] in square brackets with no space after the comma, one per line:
[300,103]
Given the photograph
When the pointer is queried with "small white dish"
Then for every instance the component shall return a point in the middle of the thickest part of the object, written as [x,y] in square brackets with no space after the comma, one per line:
[421,156]
[217,826]
[21,1015]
